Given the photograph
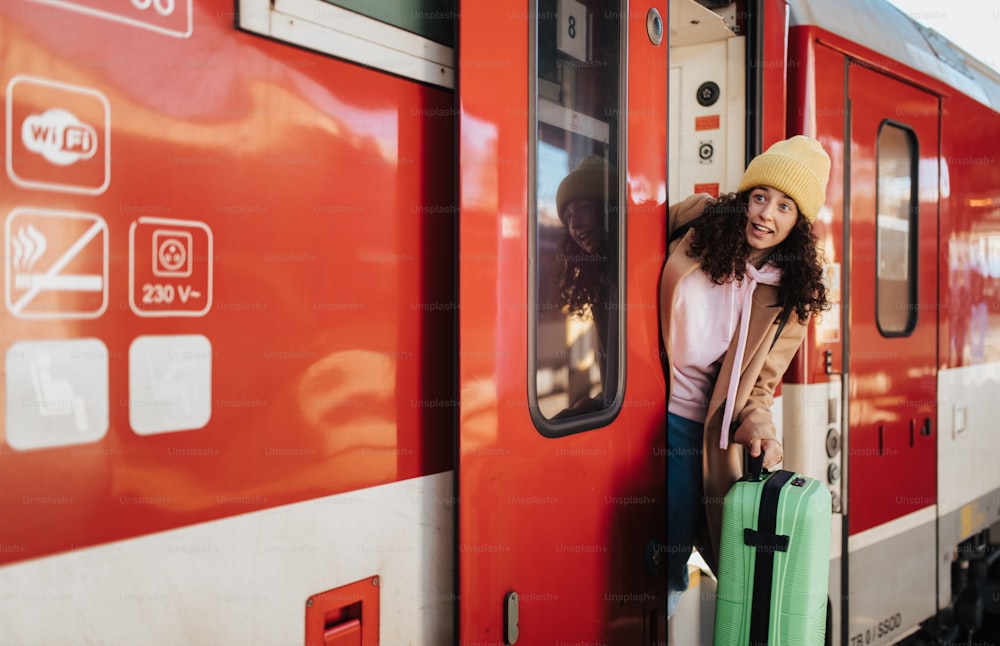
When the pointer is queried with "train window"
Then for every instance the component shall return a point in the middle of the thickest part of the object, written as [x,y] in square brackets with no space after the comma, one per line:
[896,227]
[576,322]
[409,38]
[434,19]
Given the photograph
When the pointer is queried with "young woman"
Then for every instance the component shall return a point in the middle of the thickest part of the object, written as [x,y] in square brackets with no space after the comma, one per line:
[736,293]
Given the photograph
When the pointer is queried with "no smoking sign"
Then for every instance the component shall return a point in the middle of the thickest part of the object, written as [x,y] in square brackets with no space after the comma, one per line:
[170,273]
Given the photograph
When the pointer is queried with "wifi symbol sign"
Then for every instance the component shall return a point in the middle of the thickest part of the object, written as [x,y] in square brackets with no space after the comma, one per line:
[58,136]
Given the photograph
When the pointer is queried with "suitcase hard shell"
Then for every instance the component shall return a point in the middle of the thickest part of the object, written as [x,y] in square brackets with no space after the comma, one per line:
[774,561]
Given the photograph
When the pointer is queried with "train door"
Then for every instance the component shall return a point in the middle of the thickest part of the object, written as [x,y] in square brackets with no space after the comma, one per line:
[892,355]
[561,443]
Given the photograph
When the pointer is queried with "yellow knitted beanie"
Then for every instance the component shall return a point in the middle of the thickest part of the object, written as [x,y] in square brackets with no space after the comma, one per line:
[587,181]
[798,167]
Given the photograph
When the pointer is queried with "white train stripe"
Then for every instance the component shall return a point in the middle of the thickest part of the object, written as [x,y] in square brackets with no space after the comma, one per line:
[245,579]
[892,528]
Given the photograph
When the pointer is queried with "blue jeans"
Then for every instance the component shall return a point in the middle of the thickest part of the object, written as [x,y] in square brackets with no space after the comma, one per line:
[684,493]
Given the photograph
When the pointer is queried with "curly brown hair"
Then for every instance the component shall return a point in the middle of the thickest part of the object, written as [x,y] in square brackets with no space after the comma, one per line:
[720,245]
[583,277]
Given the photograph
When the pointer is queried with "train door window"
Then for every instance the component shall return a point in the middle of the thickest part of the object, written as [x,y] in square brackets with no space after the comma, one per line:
[896,227]
[576,322]
[409,38]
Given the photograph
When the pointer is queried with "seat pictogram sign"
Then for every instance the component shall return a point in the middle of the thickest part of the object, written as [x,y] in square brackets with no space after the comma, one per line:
[58,136]
[170,269]
[56,264]
[57,393]
[169,383]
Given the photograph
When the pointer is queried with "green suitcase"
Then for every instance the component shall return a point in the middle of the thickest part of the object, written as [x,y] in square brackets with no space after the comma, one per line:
[774,561]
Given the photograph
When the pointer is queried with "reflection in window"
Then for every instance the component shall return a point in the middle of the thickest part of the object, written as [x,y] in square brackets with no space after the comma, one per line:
[896,228]
[577,313]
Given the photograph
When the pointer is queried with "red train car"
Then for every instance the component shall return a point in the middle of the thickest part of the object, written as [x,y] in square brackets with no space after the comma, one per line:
[292,354]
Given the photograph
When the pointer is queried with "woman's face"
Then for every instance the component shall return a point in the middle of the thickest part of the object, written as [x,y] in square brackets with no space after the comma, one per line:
[585,224]
[771,216]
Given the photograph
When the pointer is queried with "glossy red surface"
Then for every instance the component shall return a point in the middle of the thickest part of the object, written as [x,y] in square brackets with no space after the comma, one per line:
[774,73]
[328,190]
[893,379]
[818,109]
[970,236]
[563,522]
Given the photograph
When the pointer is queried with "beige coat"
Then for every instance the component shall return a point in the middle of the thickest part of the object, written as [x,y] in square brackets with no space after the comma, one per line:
[762,369]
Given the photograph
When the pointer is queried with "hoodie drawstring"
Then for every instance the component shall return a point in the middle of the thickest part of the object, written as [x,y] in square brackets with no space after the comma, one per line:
[768,275]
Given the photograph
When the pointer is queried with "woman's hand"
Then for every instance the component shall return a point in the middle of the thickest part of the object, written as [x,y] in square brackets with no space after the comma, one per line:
[756,433]
[773,453]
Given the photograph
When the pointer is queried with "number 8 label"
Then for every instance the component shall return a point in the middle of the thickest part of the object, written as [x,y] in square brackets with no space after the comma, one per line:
[572,38]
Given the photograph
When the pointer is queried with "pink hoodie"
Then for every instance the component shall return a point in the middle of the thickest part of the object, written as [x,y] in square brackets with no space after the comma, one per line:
[704,318]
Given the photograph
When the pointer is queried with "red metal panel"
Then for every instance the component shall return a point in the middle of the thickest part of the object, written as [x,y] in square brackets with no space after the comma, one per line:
[817,110]
[970,234]
[967,224]
[563,522]
[328,192]
[892,387]
[774,90]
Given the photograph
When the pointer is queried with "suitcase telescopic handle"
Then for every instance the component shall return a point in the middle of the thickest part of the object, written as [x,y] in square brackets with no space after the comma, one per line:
[757,467]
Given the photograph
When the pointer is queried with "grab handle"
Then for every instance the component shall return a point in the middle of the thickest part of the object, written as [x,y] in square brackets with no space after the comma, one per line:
[757,467]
